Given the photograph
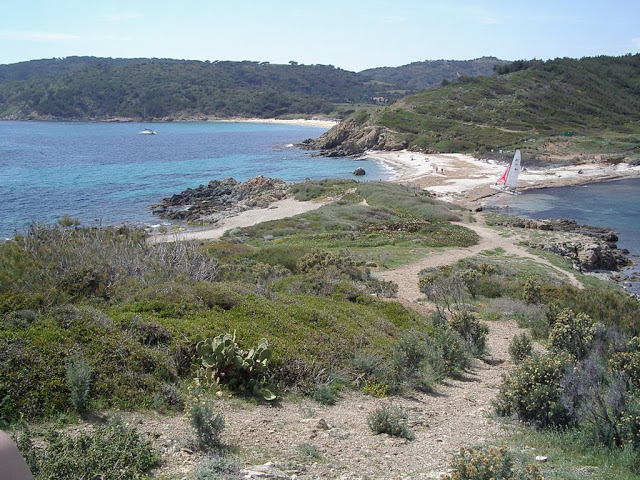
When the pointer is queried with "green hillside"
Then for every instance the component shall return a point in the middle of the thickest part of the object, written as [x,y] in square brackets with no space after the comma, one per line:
[593,103]
[431,73]
[165,89]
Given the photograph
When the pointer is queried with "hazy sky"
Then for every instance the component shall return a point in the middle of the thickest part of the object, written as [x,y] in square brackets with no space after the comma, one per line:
[350,34]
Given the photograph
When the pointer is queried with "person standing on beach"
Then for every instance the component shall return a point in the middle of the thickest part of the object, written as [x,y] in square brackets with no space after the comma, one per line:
[12,465]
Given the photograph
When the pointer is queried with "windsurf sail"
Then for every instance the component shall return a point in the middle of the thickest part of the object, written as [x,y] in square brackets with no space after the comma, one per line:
[509,179]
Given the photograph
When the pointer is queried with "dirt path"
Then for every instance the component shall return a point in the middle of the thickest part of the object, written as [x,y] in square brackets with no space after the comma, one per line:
[312,441]
[338,436]
[406,277]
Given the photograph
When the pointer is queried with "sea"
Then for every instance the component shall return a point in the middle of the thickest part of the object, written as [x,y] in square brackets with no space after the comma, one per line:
[108,174]
[614,204]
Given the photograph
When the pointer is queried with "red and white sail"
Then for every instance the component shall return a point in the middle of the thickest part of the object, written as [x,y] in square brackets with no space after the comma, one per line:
[509,179]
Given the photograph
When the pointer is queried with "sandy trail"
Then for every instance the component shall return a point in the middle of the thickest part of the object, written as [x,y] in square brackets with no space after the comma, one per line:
[287,207]
[406,277]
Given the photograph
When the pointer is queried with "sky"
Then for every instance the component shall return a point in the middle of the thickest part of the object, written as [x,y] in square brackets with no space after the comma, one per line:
[349,34]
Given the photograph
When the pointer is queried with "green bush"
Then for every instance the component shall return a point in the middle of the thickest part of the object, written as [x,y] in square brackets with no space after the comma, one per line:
[415,363]
[392,420]
[207,422]
[532,291]
[325,395]
[110,452]
[489,463]
[571,333]
[627,361]
[521,347]
[217,467]
[79,380]
[452,353]
[473,331]
[224,364]
[533,391]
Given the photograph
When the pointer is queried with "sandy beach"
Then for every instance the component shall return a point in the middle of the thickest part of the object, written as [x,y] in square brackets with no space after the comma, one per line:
[304,122]
[462,178]
[454,177]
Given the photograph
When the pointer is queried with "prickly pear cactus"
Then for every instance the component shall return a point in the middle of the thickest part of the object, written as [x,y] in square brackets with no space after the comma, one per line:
[224,364]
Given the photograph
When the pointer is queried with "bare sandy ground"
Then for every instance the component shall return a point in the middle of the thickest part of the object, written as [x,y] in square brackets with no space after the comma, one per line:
[287,207]
[305,122]
[463,178]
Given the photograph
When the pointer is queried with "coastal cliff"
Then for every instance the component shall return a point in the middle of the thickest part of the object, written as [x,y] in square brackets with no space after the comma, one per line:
[351,138]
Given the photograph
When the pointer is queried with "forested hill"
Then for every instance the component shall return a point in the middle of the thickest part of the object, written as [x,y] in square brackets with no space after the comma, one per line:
[164,89]
[431,73]
[586,105]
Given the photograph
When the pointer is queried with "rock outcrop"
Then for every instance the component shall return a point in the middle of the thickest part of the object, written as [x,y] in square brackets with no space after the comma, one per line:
[596,250]
[350,138]
[219,199]
[589,256]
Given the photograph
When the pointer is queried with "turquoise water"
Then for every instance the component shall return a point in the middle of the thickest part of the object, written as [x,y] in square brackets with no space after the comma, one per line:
[106,173]
[613,204]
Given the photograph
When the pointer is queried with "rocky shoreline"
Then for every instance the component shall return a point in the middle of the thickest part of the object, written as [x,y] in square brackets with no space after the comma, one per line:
[592,250]
[219,199]
[349,138]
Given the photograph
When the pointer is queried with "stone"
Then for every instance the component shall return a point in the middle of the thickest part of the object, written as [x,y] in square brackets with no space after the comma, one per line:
[359,171]
[268,470]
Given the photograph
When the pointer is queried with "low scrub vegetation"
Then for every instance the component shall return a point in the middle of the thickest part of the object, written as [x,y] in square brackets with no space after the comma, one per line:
[99,318]
[392,420]
[112,452]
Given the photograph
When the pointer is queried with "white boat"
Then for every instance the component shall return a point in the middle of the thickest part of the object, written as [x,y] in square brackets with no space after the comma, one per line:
[145,131]
[508,182]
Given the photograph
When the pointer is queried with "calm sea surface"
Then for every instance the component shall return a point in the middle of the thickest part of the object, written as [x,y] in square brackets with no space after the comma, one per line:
[106,173]
[609,204]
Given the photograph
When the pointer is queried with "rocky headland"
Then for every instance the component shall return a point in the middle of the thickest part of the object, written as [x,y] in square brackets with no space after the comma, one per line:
[590,249]
[219,199]
[351,138]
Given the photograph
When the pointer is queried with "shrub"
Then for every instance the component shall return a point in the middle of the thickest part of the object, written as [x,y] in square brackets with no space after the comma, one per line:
[472,330]
[321,260]
[533,391]
[111,452]
[217,467]
[598,400]
[375,388]
[489,463]
[392,420]
[79,380]
[206,421]
[225,364]
[532,291]
[415,363]
[628,361]
[520,347]
[452,352]
[571,333]
[168,397]
[325,395]
[309,452]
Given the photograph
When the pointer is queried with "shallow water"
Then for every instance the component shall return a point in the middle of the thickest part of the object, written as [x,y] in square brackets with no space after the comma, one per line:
[106,173]
[614,204]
